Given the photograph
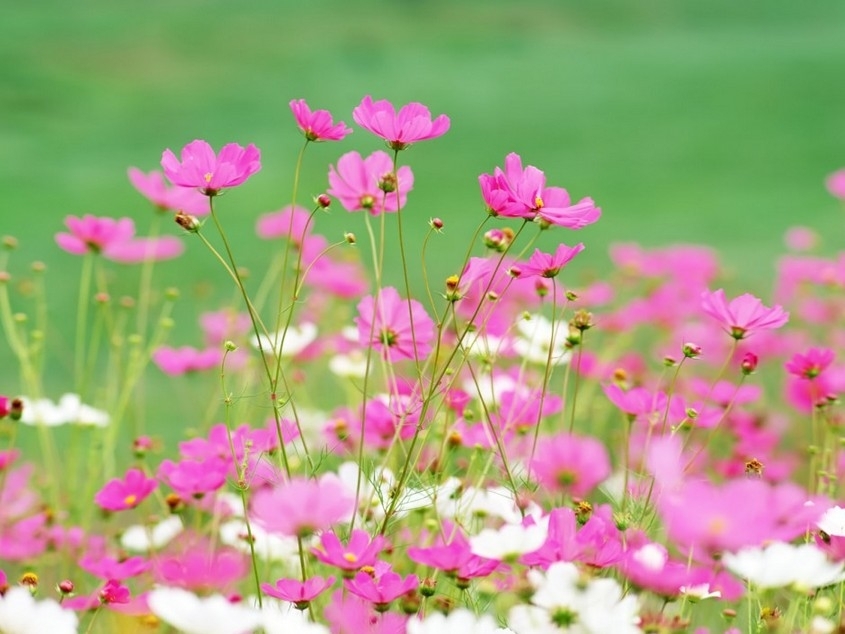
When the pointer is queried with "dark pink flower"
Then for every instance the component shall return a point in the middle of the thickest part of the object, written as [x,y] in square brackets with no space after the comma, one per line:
[137,250]
[114,592]
[166,198]
[550,264]
[810,364]
[317,125]
[120,495]
[570,464]
[361,550]
[200,167]
[368,184]
[106,567]
[301,507]
[743,315]
[91,234]
[176,361]
[411,124]
[298,592]
[4,406]
[191,478]
[384,322]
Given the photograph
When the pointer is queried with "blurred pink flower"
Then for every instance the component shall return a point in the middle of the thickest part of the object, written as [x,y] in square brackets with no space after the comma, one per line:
[385,324]
[317,125]
[300,593]
[369,183]
[200,167]
[411,124]
[202,566]
[106,567]
[382,587]
[166,198]
[176,361]
[810,364]
[291,221]
[92,234]
[743,315]
[301,507]
[127,493]
[836,184]
[193,479]
[570,465]
[360,550]
[550,264]
[137,250]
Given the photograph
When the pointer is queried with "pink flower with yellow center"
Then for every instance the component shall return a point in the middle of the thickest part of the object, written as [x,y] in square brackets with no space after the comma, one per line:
[127,493]
[201,168]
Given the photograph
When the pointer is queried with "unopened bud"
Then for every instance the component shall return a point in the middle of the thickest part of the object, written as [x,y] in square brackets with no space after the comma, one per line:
[428,586]
[514,271]
[141,445]
[38,267]
[229,346]
[541,287]
[669,361]
[171,293]
[102,298]
[127,302]
[388,183]
[4,277]
[349,237]
[65,587]
[189,223]
[692,350]
[323,201]
[16,409]
[571,296]
[436,224]
[10,243]
[749,363]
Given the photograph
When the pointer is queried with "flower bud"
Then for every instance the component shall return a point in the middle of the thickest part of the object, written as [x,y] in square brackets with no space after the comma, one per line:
[10,243]
[229,346]
[582,320]
[38,267]
[514,271]
[749,363]
[388,183]
[65,587]
[692,350]
[189,223]
[323,201]
[349,237]
[436,224]
[16,409]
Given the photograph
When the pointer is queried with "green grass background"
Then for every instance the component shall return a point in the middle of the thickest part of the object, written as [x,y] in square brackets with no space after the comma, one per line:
[710,121]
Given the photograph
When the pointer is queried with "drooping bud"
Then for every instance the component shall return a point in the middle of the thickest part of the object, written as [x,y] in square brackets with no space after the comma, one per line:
[65,588]
[189,223]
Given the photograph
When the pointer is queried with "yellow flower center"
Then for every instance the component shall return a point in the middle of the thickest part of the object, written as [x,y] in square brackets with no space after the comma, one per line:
[130,500]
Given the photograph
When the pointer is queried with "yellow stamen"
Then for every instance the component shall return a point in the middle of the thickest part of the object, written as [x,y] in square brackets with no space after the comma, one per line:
[350,557]
[130,500]
[208,177]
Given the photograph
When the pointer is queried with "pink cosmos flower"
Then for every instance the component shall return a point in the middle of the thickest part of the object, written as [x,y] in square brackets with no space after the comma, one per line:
[382,587]
[110,568]
[4,406]
[224,324]
[411,124]
[522,193]
[193,479]
[360,550]
[291,222]
[548,264]
[570,465]
[811,364]
[743,315]
[297,592]
[91,234]
[301,507]
[317,125]
[176,361]
[202,567]
[120,495]
[166,198]
[385,324]
[137,250]
[836,184]
[369,183]
[201,168]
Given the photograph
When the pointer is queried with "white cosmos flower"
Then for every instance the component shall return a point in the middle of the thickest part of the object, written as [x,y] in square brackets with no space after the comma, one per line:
[535,339]
[141,539]
[295,341]
[780,565]
[194,615]
[509,541]
[69,410]
[700,592]
[285,619]
[562,597]
[460,621]
[352,364]
[20,613]
[479,502]
[268,547]
[832,522]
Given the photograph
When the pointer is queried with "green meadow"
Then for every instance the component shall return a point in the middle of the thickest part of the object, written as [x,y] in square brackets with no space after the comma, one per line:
[707,121]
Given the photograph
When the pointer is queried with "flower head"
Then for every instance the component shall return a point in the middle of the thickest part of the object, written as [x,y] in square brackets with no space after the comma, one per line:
[127,493]
[95,235]
[550,264]
[317,125]
[411,124]
[155,189]
[200,167]
[360,184]
[208,615]
[385,323]
[743,315]
[780,564]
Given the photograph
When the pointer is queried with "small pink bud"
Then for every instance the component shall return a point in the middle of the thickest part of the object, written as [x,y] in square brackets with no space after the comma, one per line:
[514,271]
[749,363]
[436,224]
[65,587]
[323,201]
[692,350]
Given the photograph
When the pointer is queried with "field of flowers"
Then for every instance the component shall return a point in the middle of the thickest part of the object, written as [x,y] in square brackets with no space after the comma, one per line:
[511,450]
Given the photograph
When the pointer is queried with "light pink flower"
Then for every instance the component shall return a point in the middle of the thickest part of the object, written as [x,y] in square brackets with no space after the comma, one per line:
[317,125]
[570,464]
[836,184]
[368,184]
[743,315]
[202,567]
[383,586]
[127,493]
[360,550]
[176,361]
[810,364]
[94,234]
[301,507]
[200,167]
[166,198]
[411,124]
[193,479]
[106,567]
[137,250]
[384,322]
[550,264]
[291,222]
[298,592]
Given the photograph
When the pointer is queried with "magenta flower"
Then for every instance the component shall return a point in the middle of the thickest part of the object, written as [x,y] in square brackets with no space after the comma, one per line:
[369,184]
[120,495]
[382,587]
[176,361]
[550,264]
[301,507]
[836,184]
[202,567]
[411,124]
[522,193]
[385,324]
[110,568]
[811,364]
[360,550]
[193,479]
[114,592]
[570,464]
[91,234]
[298,592]
[317,125]
[166,198]
[743,315]
[201,168]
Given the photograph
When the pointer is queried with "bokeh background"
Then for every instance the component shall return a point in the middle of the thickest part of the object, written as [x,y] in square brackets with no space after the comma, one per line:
[709,121]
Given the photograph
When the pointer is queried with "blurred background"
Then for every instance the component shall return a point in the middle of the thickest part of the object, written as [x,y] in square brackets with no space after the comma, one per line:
[707,121]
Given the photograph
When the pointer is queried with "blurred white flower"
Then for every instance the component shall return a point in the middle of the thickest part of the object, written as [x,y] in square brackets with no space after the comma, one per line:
[208,615]
[479,502]
[780,565]
[700,592]
[69,410]
[460,621]
[832,522]
[352,364]
[509,541]
[20,613]
[291,344]
[267,547]
[535,339]
[141,539]
[279,618]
